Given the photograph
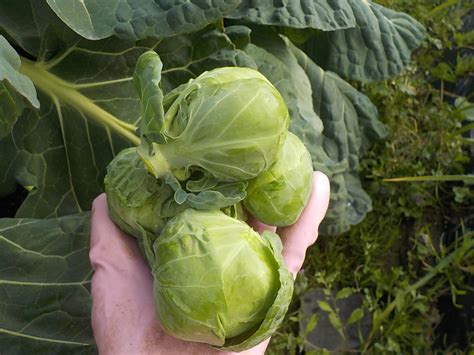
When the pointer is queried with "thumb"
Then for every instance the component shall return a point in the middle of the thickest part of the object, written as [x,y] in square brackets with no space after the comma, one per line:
[299,236]
[122,286]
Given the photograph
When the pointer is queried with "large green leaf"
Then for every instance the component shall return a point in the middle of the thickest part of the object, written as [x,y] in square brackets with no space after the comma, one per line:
[89,112]
[25,22]
[15,88]
[45,286]
[138,19]
[335,121]
[350,126]
[327,15]
[16,19]
[378,47]
[61,150]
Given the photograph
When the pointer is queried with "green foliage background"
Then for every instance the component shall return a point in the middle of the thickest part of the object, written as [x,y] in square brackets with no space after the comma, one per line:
[416,247]
[377,288]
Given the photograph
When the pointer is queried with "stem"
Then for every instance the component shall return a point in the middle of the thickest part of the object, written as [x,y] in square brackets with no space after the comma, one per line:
[469,179]
[66,93]
[156,164]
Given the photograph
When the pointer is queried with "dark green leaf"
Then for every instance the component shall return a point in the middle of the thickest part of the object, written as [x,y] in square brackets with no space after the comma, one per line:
[15,88]
[44,286]
[25,22]
[138,19]
[326,15]
[342,109]
[378,47]
[17,20]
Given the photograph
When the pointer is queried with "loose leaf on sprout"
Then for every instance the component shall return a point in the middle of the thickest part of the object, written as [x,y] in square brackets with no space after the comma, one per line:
[222,194]
[147,80]
[136,199]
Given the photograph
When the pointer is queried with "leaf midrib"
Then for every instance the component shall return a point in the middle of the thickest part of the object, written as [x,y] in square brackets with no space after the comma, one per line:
[43,339]
[65,93]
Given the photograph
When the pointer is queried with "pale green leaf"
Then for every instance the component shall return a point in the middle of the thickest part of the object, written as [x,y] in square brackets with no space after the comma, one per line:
[313,321]
[344,293]
[147,80]
[325,306]
[335,321]
[356,315]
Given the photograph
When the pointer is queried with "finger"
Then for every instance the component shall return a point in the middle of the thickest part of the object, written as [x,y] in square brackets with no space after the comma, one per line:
[299,236]
[258,226]
[256,350]
[108,243]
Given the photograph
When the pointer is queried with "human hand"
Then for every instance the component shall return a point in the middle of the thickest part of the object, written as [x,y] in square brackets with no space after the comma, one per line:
[123,311]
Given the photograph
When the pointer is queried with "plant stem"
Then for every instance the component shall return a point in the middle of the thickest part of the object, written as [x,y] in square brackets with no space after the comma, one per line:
[445,262]
[64,92]
[468,179]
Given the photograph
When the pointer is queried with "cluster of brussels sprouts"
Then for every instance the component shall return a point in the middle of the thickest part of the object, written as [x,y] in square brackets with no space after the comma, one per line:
[211,149]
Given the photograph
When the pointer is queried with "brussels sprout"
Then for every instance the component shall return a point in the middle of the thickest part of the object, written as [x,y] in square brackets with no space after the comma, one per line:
[135,197]
[230,122]
[278,196]
[218,281]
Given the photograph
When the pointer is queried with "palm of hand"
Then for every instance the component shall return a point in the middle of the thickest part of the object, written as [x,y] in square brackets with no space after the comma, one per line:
[123,311]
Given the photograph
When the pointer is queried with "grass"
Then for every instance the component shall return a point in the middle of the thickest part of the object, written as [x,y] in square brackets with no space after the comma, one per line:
[384,281]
